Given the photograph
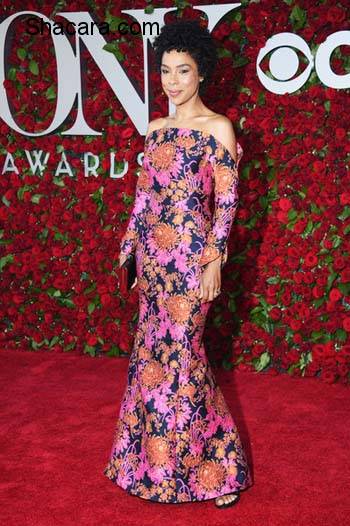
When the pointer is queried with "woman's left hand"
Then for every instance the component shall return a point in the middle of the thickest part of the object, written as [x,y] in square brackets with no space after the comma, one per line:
[210,281]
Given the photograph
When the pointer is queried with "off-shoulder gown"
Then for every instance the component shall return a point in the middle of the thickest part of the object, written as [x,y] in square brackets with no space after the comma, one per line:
[175,438]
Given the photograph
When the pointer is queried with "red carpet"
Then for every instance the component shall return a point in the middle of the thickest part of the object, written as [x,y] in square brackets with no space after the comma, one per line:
[58,414]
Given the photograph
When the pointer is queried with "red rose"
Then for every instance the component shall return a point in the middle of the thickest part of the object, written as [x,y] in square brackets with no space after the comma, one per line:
[344,198]
[310,259]
[295,324]
[340,133]
[21,77]
[297,338]
[328,243]
[317,292]
[275,313]
[345,275]
[346,351]
[126,133]
[92,340]
[335,294]
[335,15]
[282,217]
[346,323]
[307,33]
[285,204]
[299,226]
[318,351]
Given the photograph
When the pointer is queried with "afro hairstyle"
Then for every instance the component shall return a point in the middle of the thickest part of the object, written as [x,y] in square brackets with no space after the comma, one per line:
[188,35]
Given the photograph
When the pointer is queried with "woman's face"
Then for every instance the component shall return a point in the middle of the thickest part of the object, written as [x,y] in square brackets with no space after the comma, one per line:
[179,76]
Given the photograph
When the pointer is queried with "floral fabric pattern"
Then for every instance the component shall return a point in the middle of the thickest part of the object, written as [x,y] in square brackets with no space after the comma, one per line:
[175,438]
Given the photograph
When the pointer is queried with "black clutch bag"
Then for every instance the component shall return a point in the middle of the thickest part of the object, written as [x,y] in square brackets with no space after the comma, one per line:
[127,274]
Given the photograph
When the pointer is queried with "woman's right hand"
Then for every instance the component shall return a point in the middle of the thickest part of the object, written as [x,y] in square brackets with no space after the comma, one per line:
[122,259]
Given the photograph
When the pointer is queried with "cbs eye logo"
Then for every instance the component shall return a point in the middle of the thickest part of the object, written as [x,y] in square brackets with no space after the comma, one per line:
[284,62]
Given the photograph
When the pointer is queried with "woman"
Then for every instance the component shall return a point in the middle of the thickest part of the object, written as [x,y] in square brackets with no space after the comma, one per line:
[176,440]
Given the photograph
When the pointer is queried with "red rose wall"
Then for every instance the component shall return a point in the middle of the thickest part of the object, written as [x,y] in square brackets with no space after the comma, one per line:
[285,305]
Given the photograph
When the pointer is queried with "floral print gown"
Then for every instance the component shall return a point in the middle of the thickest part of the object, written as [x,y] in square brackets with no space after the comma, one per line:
[175,438]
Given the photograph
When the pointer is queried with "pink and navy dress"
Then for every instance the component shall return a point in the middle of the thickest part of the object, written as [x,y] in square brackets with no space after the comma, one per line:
[175,438]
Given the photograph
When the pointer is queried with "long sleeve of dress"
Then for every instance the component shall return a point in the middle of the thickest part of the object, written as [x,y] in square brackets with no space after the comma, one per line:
[129,240]
[225,173]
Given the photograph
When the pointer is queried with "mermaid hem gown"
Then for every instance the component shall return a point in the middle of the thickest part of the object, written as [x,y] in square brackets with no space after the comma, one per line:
[175,438]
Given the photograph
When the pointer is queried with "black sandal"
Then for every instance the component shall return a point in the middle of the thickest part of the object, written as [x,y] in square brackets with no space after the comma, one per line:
[230,503]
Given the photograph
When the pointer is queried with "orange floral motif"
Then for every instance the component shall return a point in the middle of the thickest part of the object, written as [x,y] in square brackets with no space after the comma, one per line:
[211,475]
[152,374]
[144,353]
[208,150]
[142,283]
[148,424]
[133,460]
[232,470]
[209,254]
[144,179]
[174,364]
[190,461]
[198,319]
[166,236]
[186,142]
[219,152]
[118,432]
[178,218]
[179,308]
[187,238]
[220,452]
[116,463]
[177,196]
[132,420]
[223,178]
[152,218]
[188,390]
[157,450]
[220,402]
[163,156]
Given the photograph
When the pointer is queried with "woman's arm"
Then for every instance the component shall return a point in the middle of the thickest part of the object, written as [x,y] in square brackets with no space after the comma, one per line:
[130,238]
[225,173]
